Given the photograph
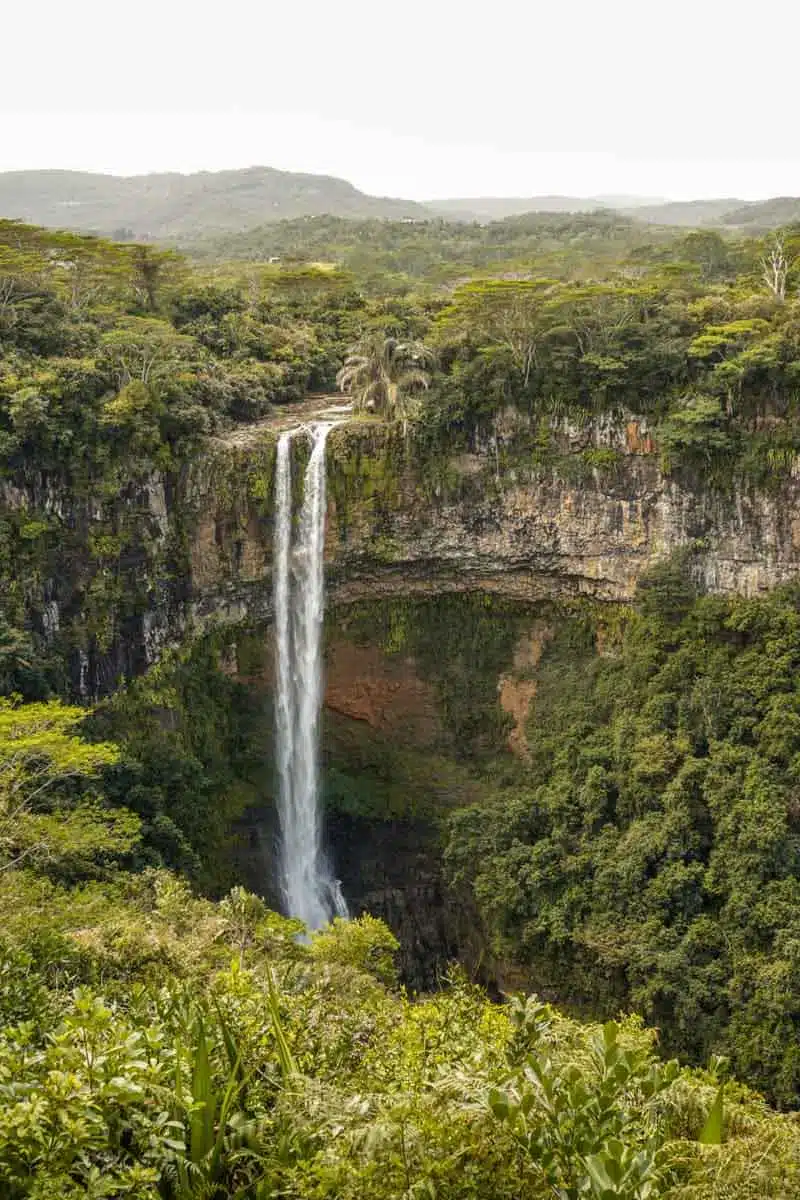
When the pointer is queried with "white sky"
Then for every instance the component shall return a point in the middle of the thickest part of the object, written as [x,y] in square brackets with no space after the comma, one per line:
[415,98]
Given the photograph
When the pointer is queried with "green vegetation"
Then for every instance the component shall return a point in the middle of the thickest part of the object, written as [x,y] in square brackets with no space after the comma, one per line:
[645,855]
[176,207]
[577,315]
[194,756]
[156,1045]
[461,645]
[766,214]
[383,375]
[116,364]
[387,256]
[701,345]
[649,855]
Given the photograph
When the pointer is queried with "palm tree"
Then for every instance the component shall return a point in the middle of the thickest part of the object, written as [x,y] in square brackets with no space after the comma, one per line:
[385,375]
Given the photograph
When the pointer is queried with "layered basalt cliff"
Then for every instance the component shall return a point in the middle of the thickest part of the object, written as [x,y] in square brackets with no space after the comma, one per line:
[588,522]
[109,581]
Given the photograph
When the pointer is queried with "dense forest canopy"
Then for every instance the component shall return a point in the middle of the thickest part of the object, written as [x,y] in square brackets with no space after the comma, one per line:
[384,254]
[650,851]
[644,857]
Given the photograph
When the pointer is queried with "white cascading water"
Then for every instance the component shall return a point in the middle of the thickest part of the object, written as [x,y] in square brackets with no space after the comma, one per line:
[309,889]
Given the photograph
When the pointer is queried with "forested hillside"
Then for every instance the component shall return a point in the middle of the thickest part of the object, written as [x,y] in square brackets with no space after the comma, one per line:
[768,214]
[170,206]
[159,1045]
[386,254]
[649,856]
[162,1034]
[182,208]
[497,208]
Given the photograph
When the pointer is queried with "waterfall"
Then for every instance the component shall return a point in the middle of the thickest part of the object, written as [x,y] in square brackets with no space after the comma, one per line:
[308,887]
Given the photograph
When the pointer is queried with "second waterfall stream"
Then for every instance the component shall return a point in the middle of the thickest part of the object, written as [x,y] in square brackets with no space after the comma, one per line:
[308,887]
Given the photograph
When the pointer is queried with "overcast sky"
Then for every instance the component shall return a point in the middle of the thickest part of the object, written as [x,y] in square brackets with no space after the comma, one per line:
[414,98]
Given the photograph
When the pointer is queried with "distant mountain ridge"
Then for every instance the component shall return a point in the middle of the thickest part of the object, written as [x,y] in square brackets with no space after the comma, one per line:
[687,213]
[727,211]
[766,214]
[497,208]
[180,208]
[170,206]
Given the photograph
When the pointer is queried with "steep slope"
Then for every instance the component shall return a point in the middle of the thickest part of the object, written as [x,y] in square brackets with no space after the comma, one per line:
[172,205]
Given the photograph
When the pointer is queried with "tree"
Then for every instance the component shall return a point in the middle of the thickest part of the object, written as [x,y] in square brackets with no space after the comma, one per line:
[145,350]
[152,269]
[85,273]
[710,253]
[775,268]
[41,822]
[504,312]
[385,375]
[20,276]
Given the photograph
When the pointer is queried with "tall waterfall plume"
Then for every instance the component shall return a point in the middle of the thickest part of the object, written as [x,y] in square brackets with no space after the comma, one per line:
[308,886]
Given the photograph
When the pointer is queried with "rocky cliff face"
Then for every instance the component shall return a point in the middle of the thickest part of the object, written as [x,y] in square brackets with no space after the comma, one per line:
[490,522]
[115,579]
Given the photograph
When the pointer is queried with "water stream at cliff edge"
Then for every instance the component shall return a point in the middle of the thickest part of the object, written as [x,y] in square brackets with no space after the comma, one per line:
[308,887]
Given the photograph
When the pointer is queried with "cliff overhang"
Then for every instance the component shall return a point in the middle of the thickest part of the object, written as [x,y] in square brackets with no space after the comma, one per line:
[484,521]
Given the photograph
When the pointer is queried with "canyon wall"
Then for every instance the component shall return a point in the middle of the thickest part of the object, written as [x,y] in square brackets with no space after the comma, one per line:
[109,582]
[487,521]
[411,535]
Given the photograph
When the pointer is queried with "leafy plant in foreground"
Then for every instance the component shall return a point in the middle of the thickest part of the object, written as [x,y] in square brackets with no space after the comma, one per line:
[587,1127]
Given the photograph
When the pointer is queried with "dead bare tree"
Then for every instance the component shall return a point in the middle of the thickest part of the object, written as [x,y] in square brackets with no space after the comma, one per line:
[775,268]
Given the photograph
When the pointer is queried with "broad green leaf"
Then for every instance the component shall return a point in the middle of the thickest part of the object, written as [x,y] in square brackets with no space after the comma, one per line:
[711,1133]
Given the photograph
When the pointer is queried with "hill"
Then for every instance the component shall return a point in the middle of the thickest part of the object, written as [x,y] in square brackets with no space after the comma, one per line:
[171,206]
[497,208]
[754,216]
[766,214]
[380,251]
[184,209]
[757,216]
[686,213]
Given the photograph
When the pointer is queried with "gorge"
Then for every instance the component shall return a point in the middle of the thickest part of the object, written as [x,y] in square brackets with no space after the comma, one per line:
[448,579]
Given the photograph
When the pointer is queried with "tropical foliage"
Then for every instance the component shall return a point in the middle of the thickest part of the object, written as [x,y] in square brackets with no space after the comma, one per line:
[384,375]
[645,856]
[157,1045]
[648,856]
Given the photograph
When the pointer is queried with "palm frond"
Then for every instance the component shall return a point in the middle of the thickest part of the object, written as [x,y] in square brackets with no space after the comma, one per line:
[379,369]
[414,378]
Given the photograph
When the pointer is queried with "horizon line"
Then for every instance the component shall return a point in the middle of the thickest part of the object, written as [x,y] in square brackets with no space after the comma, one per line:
[438,199]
